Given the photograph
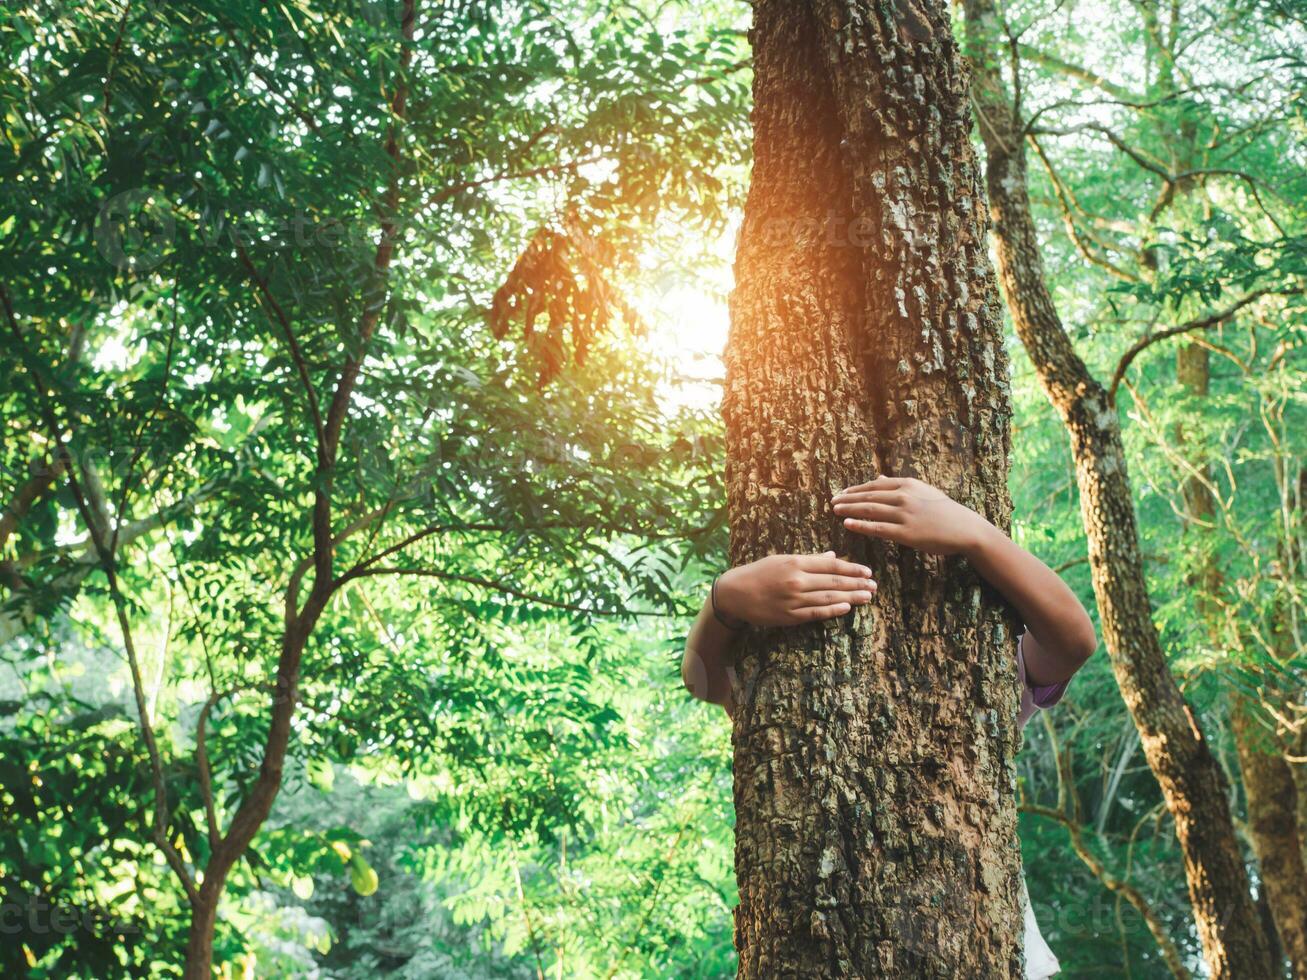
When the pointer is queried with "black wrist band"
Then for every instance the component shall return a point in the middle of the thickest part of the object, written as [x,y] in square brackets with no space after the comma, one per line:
[717,613]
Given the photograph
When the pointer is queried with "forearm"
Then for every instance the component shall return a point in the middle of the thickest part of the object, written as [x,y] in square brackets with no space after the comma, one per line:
[1059,634]
[706,666]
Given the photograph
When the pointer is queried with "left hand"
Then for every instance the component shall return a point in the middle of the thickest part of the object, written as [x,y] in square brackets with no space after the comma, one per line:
[912,513]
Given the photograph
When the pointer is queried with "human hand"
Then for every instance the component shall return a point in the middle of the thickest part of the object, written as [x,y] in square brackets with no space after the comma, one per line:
[910,512]
[783,590]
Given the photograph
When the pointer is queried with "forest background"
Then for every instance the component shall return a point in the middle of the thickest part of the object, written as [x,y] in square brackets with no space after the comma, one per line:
[460,271]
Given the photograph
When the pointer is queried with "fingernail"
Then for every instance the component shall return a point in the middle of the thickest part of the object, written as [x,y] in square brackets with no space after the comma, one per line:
[873,586]
[863,596]
[848,522]
[843,607]
[867,572]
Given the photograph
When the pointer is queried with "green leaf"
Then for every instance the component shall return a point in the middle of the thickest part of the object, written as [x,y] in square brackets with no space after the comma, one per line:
[302,886]
[362,876]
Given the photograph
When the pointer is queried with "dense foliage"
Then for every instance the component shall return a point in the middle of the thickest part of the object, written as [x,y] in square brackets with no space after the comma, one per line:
[493,769]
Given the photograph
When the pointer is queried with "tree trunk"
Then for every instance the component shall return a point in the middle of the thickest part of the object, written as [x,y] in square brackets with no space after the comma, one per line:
[1268,785]
[874,754]
[1191,781]
[1273,827]
[229,848]
[1295,563]
[1297,761]
[199,939]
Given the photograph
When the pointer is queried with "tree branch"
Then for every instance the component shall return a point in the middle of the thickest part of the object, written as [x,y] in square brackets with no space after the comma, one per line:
[374,302]
[1144,161]
[1115,885]
[1201,323]
[301,569]
[28,493]
[161,819]
[1066,200]
[202,762]
[494,586]
[1084,560]
[96,525]
[1139,105]
[1078,72]
[128,533]
[256,806]
[301,367]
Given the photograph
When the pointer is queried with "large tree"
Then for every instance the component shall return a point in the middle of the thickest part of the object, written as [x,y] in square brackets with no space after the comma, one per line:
[873,754]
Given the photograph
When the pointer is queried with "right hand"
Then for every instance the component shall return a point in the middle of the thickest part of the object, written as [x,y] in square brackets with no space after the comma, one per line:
[784,590]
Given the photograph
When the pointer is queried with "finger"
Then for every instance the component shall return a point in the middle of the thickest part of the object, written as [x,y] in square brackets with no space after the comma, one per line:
[809,582]
[870,512]
[858,598]
[874,529]
[810,614]
[880,483]
[892,497]
[827,563]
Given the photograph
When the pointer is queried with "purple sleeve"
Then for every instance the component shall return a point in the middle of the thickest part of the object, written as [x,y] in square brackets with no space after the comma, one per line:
[1044,695]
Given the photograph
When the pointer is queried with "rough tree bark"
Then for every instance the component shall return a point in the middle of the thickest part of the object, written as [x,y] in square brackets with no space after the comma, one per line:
[1271,793]
[1191,780]
[874,765]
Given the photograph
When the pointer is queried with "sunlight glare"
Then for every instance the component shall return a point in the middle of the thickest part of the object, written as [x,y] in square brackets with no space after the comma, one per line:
[686,308]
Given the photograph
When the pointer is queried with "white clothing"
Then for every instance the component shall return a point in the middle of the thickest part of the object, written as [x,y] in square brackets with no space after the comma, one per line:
[1040,961]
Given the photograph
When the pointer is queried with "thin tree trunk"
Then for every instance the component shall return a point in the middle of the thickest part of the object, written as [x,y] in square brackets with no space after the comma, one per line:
[1268,785]
[1273,827]
[1268,927]
[1295,563]
[1297,761]
[254,809]
[199,938]
[874,755]
[1191,781]
[256,806]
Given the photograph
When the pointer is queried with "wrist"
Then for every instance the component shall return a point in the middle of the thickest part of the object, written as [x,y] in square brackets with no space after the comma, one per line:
[725,602]
[980,539]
